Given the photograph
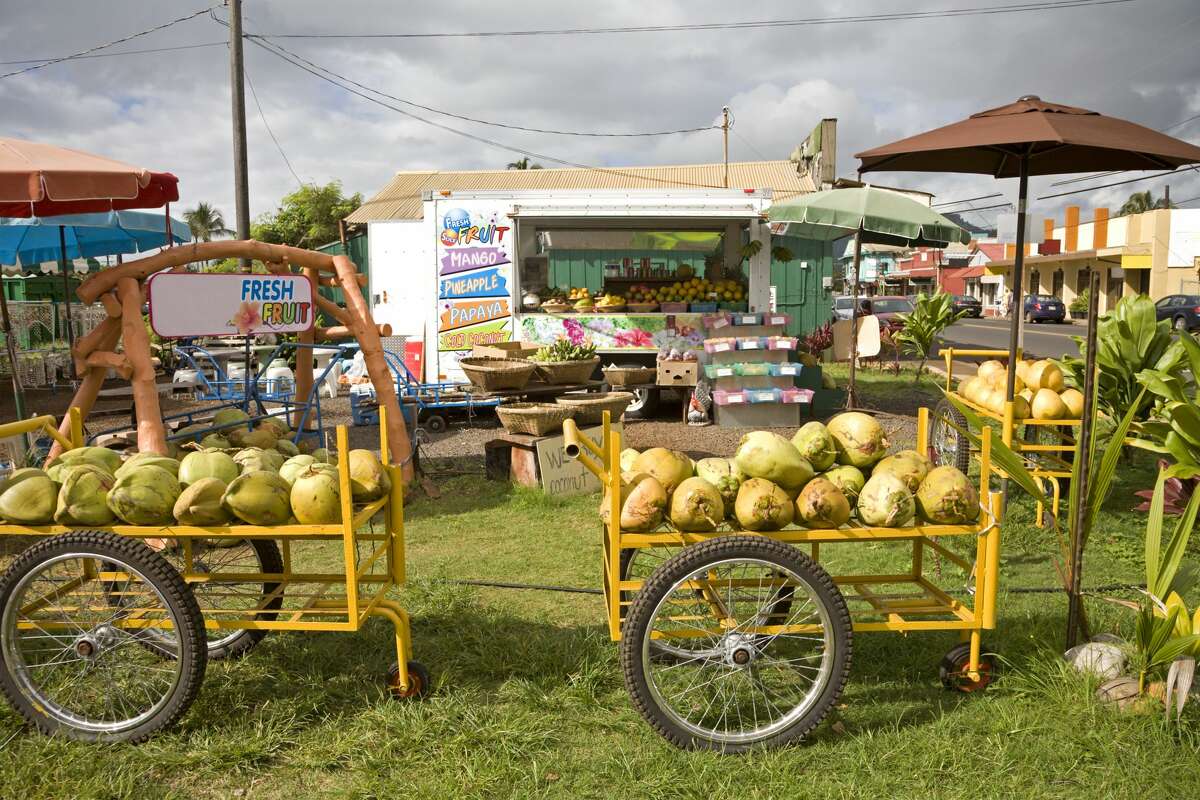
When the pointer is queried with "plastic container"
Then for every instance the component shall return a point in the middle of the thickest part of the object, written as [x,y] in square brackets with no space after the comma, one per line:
[795,395]
[753,369]
[729,398]
[674,308]
[775,318]
[717,321]
[746,319]
[780,342]
[720,371]
[704,308]
[788,369]
[770,395]
[720,345]
[752,343]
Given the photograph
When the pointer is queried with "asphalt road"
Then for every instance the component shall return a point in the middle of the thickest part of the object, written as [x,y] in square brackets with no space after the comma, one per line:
[1042,339]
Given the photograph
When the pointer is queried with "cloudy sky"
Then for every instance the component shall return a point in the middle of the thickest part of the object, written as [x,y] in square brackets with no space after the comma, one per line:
[881,80]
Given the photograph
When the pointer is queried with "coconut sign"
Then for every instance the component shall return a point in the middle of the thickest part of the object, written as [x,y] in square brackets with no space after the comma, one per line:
[186,304]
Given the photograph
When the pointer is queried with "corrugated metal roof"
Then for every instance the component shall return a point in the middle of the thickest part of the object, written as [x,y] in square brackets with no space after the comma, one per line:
[401,197]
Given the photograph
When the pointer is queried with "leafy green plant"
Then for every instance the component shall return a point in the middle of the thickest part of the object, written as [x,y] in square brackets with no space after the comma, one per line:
[1080,303]
[563,350]
[1129,340]
[931,315]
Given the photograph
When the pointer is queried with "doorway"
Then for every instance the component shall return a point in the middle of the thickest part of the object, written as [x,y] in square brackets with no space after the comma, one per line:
[1035,281]
[1057,283]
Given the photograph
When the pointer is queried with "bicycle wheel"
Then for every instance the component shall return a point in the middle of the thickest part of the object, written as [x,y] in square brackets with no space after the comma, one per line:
[219,599]
[948,446]
[747,680]
[73,661]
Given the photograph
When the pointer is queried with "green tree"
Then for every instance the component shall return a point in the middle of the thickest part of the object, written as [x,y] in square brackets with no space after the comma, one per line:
[523,163]
[234,265]
[205,222]
[1140,202]
[308,217]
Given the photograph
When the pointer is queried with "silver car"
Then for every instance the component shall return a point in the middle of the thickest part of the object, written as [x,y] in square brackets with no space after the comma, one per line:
[843,307]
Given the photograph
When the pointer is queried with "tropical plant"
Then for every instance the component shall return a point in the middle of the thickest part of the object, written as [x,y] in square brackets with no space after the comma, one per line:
[1173,426]
[1141,202]
[931,314]
[308,217]
[523,163]
[1080,303]
[1129,339]
[1177,492]
[205,222]
[818,340]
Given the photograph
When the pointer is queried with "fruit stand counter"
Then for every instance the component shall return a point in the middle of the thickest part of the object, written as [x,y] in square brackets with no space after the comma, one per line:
[616,331]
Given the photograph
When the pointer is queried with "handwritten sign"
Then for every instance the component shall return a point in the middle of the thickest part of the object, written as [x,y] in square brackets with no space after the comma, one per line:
[561,476]
[221,304]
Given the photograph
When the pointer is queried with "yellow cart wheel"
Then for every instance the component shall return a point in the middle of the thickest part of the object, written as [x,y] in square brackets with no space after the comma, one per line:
[420,684]
[953,669]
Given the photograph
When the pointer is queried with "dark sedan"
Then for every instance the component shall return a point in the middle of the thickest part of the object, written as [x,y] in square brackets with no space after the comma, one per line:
[1182,309]
[1043,308]
[887,307]
[971,305]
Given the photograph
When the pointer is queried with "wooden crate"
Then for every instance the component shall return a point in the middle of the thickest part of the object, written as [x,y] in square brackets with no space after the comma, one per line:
[504,350]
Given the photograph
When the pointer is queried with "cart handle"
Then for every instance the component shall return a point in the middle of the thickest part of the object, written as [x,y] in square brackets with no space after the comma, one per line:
[574,444]
[48,425]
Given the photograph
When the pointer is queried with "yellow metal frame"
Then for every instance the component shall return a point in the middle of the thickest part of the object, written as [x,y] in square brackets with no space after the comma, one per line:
[312,601]
[1044,461]
[928,608]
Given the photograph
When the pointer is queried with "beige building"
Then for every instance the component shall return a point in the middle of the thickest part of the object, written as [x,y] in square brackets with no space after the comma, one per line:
[1155,253]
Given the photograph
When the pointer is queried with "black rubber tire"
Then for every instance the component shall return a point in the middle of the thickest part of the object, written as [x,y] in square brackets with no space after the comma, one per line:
[270,561]
[950,670]
[943,413]
[435,423]
[164,579]
[1180,324]
[645,404]
[694,557]
[420,682]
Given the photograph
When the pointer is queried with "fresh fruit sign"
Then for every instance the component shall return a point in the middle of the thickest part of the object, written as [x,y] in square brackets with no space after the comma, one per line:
[474,256]
[186,304]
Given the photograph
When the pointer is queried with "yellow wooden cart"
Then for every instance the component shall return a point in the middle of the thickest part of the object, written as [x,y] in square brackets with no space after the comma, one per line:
[1047,446]
[105,633]
[731,640]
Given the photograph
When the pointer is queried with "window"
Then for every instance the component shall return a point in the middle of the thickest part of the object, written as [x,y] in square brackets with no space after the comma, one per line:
[892,305]
[1168,302]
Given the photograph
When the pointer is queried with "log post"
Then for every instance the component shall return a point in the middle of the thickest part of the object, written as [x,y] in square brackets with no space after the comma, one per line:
[106,361]
[112,306]
[151,435]
[342,332]
[86,345]
[304,359]
[89,388]
[367,334]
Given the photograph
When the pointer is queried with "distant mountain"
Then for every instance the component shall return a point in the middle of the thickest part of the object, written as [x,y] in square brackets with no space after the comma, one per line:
[975,230]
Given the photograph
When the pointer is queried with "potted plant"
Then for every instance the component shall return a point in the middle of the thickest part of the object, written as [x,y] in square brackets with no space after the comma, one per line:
[1079,306]
[566,362]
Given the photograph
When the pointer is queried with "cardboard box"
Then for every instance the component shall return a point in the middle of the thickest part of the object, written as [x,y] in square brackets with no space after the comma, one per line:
[678,373]
[504,350]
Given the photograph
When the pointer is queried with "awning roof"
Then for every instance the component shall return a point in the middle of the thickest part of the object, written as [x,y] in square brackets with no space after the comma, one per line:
[972,272]
[1103,257]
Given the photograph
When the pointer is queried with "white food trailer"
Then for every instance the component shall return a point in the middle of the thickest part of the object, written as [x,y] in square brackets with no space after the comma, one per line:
[476,267]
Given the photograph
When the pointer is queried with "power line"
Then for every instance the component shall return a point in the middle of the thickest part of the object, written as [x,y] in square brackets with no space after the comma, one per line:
[267,125]
[476,120]
[122,53]
[1116,183]
[967,200]
[123,39]
[1012,8]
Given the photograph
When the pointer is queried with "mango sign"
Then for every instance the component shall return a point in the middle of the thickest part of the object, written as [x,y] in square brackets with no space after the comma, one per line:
[184,304]
[472,312]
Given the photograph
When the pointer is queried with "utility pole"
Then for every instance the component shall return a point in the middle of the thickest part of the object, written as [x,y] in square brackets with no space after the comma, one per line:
[237,82]
[725,131]
[1167,196]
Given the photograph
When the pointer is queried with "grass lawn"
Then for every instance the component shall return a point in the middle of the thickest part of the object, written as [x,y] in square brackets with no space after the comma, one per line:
[530,703]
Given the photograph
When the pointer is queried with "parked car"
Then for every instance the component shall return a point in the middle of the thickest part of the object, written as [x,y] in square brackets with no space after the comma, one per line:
[888,307]
[969,304]
[1182,309]
[1043,307]
[843,307]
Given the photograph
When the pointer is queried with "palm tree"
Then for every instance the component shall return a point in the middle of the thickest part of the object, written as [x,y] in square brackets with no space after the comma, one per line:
[205,222]
[1140,202]
[523,163]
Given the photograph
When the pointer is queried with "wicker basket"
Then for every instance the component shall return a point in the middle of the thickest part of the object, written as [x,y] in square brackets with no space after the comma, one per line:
[590,408]
[567,371]
[556,308]
[642,308]
[630,376]
[536,419]
[491,374]
[611,309]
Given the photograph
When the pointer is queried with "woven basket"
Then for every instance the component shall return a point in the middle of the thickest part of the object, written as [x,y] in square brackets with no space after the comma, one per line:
[491,374]
[590,408]
[630,376]
[536,419]
[567,371]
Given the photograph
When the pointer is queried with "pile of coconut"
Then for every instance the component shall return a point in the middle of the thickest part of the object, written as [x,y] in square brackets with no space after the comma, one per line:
[205,485]
[821,478]
[1038,393]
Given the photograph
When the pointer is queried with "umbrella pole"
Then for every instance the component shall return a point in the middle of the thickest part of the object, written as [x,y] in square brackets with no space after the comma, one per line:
[1017,304]
[62,265]
[851,395]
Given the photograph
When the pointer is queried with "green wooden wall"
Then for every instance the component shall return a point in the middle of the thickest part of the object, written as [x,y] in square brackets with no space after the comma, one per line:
[356,248]
[574,268]
[799,291]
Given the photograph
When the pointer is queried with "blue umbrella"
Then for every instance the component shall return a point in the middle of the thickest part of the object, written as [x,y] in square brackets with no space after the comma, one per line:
[30,241]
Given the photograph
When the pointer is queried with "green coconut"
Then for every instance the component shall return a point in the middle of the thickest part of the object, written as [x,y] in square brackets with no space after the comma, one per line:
[190,433]
[368,479]
[643,501]
[848,479]
[321,454]
[276,425]
[294,466]
[200,503]
[82,500]
[814,442]
[259,497]
[287,447]
[762,506]
[628,456]
[316,498]
[859,439]
[228,416]
[144,495]
[263,438]
[29,497]
[208,463]
[767,455]
[696,505]
[886,502]
[907,465]
[821,504]
[669,467]
[141,459]
[100,456]
[948,497]
[215,441]
[251,459]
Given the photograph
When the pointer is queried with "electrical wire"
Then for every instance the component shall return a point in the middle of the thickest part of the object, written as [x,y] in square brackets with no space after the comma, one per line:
[122,53]
[1118,183]
[123,39]
[267,125]
[1012,8]
[967,200]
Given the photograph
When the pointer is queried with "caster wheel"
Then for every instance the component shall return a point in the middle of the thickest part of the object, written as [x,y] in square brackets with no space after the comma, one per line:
[435,424]
[419,681]
[953,669]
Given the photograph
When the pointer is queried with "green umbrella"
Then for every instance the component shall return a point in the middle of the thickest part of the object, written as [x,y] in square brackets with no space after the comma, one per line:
[872,216]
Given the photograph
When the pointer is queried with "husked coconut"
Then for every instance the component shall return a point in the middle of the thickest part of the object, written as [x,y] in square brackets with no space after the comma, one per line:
[1073,400]
[908,465]
[669,467]
[292,468]
[316,498]
[209,463]
[947,497]
[643,502]
[762,506]
[885,502]
[696,505]
[821,504]
[1045,374]
[859,439]
[368,479]
[1048,405]
[628,456]
[767,455]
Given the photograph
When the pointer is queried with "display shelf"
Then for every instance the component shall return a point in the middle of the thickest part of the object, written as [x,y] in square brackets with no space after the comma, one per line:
[752,369]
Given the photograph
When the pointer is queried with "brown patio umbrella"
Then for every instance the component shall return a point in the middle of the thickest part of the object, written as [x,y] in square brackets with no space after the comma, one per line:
[1032,137]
